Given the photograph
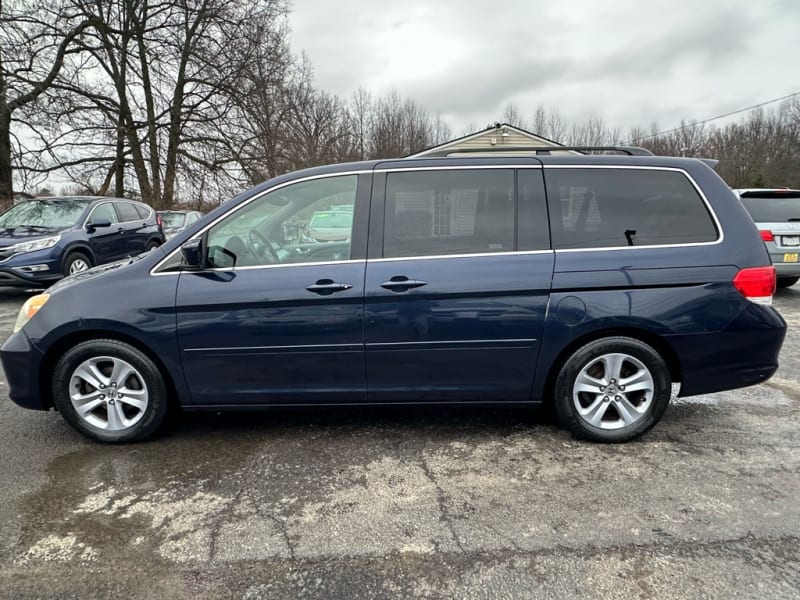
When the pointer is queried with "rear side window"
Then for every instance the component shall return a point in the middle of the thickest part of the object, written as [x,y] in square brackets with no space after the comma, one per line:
[607,208]
[127,212]
[449,212]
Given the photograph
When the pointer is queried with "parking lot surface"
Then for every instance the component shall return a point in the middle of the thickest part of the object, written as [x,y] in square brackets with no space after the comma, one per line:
[402,503]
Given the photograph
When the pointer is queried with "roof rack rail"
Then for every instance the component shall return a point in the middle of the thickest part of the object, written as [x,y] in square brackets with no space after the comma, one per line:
[629,150]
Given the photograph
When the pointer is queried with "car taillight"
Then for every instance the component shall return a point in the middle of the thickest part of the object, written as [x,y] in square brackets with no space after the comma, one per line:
[160,221]
[766,235]
[757,284]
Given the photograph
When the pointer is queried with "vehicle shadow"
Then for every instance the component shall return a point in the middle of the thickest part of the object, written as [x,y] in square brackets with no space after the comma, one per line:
[449,420]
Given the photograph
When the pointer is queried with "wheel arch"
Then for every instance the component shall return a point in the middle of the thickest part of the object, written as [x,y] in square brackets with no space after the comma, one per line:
[57,349]
[651,339]
[82,248]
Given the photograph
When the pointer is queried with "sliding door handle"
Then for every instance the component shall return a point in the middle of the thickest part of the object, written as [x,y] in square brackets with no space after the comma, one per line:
[401,283]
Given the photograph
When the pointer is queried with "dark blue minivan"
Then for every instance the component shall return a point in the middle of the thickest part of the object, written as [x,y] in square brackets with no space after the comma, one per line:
[44,239]
[593,282]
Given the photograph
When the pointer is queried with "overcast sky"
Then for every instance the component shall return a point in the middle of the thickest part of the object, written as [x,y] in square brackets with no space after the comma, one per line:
[630,61]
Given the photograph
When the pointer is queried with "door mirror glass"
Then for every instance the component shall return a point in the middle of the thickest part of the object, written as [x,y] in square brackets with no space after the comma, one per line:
[97,223]
[192,252]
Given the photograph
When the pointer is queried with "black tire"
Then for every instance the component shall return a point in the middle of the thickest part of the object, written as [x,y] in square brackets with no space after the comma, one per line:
[784,282]
[617,403]
[146,376]
[73,258]
[152,245]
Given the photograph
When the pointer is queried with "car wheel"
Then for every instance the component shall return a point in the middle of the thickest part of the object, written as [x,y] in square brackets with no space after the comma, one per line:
[152,245]
[784,282]
[612,390]
[110,391]
[76,262]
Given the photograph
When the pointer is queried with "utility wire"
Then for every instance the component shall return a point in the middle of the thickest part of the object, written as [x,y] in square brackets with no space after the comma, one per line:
[703,122]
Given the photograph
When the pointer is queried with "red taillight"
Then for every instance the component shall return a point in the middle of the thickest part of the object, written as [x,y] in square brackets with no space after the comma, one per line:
[160,222]
[756,284]
[766,235]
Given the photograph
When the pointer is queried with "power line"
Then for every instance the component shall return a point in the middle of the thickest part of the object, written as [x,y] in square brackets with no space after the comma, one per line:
[730,114]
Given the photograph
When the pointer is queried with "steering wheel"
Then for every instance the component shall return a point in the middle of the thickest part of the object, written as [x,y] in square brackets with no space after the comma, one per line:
[262,247]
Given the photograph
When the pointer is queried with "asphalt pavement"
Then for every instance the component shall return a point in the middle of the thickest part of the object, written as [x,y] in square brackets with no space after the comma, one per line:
[410,503]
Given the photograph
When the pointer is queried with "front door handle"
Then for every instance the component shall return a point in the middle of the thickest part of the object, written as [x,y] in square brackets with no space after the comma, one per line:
[401,283]
[325,287]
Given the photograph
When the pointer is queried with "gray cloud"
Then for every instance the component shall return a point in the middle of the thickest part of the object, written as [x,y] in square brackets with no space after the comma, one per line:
[632,62]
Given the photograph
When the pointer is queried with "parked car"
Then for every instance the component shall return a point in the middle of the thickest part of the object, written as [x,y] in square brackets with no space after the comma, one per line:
[330,226]
[590,282]
[776,213]
[44,239]
[174,221]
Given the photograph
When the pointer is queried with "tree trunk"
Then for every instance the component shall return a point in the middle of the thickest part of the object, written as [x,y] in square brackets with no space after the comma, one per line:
[6,172]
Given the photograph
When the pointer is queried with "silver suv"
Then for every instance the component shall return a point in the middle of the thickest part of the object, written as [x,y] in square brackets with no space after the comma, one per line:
[776,212]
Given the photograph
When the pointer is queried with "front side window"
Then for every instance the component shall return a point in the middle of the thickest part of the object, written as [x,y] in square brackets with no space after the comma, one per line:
[310,221]
[104,211]
[609,208]
[445,212]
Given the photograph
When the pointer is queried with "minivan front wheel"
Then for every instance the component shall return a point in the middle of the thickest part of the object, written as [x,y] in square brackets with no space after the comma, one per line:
[110,391]
[612,390]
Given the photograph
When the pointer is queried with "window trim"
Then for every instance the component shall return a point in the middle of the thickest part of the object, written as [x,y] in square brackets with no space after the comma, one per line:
[155,270]
[684,172]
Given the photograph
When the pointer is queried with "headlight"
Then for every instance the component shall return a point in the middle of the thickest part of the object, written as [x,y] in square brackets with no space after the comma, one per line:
[39,244]
[30,308]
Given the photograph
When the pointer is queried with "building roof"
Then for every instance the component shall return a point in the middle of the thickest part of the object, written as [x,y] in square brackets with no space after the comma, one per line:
[503,130]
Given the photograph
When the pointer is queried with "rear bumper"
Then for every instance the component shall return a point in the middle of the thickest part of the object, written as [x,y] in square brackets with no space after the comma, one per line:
[21,364]
[744,354]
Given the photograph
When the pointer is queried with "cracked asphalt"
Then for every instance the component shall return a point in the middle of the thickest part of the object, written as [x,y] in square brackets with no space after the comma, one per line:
[402,503]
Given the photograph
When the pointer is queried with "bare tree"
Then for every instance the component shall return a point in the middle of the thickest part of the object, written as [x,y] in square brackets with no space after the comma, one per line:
[35,38]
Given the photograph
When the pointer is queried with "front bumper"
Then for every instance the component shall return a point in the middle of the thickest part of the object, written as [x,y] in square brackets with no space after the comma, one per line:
[21,364]
[14,278]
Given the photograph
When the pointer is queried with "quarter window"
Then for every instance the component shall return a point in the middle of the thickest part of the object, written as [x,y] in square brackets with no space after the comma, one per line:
[601,208]
[449,212]
[143,212]
[310,221]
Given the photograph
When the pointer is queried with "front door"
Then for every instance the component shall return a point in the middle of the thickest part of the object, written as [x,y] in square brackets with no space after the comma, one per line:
[107,243]
[277,318]
[456,292]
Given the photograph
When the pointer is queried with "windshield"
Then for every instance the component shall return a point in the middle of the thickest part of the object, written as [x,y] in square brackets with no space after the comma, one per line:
[332,219]
[173,220]
[49,214]
[773,210]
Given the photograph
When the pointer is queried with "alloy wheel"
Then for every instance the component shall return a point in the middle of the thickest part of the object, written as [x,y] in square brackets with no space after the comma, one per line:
[108,393]
[613,391]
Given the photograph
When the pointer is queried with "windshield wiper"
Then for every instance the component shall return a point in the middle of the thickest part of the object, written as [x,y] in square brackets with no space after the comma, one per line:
[34,227]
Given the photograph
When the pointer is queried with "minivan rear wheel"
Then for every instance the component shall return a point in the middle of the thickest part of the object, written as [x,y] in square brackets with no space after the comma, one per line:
[612,390]
[110,391]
